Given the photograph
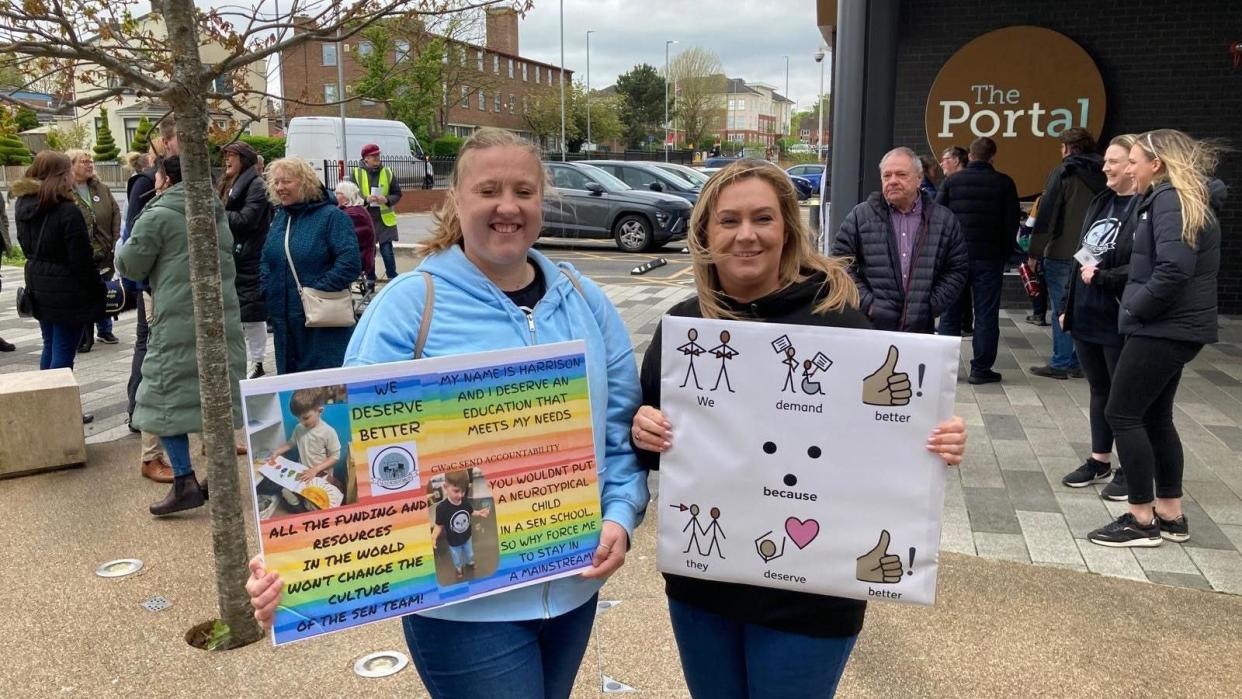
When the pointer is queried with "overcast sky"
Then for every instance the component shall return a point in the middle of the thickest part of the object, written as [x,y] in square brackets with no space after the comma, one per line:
[751,37]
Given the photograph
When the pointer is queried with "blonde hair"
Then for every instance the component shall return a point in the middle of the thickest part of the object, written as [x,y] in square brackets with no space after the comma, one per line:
[73,154]
[1125,140]
[798,258]
[1187,164]
[136,161]
[447,230]
[353,196]
[309,186]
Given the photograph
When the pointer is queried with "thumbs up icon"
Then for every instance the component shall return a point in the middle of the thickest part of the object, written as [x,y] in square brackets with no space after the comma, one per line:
[878,565]
[887,386]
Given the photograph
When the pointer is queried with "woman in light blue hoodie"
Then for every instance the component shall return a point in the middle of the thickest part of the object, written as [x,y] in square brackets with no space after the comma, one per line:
[492,291]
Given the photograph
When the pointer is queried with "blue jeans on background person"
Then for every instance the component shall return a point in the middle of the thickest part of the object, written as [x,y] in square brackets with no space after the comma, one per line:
[462,554]
[390,260]
[177,447]
[1056,278]
[726,659]
[500,659]
[104,327]
[60,344]
[984,282]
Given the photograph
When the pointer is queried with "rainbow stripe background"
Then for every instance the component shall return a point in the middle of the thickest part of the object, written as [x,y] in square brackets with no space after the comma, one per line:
[444,444]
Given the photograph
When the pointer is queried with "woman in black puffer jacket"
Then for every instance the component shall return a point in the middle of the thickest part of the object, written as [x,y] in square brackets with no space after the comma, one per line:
[244,196]
[61,275]
[1168,312]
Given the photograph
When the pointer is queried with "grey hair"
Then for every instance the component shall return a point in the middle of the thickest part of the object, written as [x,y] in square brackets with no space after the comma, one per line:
[909,153]
[353,196]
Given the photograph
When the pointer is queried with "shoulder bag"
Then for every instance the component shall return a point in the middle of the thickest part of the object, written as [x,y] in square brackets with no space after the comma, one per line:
[25,299]
[323,309]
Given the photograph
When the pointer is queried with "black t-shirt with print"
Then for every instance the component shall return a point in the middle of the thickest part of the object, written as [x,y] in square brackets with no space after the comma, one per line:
[456,520]
[1095,308]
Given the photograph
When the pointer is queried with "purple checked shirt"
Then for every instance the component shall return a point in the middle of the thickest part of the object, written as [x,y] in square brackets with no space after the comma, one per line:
[906,229]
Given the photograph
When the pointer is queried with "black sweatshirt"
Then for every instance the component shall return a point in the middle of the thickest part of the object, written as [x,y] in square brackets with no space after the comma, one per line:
[783,610]
[1108,232]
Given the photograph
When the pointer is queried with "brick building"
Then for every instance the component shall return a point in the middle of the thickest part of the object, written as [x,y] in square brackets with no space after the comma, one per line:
[488,85]
[1159,70]
[754,113]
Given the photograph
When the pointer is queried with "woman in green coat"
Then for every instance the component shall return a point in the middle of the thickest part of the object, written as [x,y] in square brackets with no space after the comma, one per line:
[168,402]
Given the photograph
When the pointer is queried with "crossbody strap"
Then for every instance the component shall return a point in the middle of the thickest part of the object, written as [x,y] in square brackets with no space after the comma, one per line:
[429,302]
[288,257]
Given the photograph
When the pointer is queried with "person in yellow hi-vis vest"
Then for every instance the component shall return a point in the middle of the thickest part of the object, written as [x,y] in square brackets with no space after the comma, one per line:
[382,192]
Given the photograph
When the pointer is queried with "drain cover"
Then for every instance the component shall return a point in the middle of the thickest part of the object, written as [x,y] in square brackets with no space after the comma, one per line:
[381,664]
[156,604]
[612,686]
[119,568]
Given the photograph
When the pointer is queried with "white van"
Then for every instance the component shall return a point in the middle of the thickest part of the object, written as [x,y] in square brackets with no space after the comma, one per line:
[318,139]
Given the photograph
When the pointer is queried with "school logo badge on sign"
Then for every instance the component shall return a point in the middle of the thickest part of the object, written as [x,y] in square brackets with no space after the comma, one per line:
[394,468]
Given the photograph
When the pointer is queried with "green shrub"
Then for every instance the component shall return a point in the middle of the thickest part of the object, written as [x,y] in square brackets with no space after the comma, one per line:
[446,145]
[105,147]
[142,137]
[13,151]
[270,147]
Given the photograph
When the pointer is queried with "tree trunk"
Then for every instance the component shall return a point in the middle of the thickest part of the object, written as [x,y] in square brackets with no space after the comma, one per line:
[228,535]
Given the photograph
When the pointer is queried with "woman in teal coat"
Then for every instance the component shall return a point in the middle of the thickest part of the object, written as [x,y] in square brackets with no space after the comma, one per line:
[168,402]
[324,249]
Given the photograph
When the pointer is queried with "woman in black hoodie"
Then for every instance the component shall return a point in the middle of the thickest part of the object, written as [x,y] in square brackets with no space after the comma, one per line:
[1091,305]
[1168,312]
[61,274]
[753,261]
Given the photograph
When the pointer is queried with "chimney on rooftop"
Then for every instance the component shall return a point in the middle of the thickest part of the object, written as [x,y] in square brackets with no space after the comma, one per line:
[502,30]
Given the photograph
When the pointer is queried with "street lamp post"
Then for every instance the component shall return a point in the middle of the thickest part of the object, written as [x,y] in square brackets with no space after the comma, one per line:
[562,80]
[819,145]
[588,89]
[667,124]
[785,115]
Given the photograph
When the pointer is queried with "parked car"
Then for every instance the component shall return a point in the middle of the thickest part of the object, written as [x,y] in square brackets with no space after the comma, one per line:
[591,203]
[647,176]
[698,178]
[803,186]
[812,172]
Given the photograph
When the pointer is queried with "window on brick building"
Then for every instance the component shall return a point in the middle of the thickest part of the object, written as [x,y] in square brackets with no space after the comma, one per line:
[482,101]
[512,103]
[510,68]
[538,75]
[403,49]
[365,48]
[496,103]
[496,64]
[480,59]
[444,96]
[549,76]
[523,72]
[329,54]
[330,93]
[465,97]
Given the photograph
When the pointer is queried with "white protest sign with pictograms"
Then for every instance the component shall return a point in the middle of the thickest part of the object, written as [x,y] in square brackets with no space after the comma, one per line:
[799,456]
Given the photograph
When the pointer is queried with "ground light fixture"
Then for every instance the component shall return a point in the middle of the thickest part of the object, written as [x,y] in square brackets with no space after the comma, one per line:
[119,568]
[383,663]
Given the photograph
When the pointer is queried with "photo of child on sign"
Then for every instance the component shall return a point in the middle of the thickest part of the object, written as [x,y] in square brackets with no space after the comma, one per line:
[463,527]
[298,457]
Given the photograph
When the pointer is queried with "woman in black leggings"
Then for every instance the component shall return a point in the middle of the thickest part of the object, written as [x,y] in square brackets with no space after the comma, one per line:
[1091,306]
[1168,312]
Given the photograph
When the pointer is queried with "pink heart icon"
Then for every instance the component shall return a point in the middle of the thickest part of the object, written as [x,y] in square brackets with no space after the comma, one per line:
[801,532]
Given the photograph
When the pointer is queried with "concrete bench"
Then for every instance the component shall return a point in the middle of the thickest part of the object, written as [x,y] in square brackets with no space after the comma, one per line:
[40,422]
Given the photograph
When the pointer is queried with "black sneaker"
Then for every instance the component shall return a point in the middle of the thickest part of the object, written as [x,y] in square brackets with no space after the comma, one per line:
[1075,373]
[107,338]
[982,377]
[1126,532]
[1175,530]
[1117,490]
[257,371]
[1090,472]
[1049,372]
[1036,320]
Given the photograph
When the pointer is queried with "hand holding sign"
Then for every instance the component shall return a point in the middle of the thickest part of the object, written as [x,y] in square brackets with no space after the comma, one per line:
[886,386]
[878,565]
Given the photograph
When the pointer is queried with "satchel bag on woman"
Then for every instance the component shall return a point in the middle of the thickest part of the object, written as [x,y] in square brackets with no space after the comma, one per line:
[25,299]
[323,309]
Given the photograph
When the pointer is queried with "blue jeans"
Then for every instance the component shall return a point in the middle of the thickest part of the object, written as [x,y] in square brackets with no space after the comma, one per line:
[60,344]
[104,327]
[1056,277]
[390,260]
[500,659]
[463,554]
[726,659]
[984,282]
[177,447]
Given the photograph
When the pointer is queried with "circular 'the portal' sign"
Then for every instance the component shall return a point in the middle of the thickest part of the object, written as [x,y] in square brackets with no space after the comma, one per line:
[1022,86]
